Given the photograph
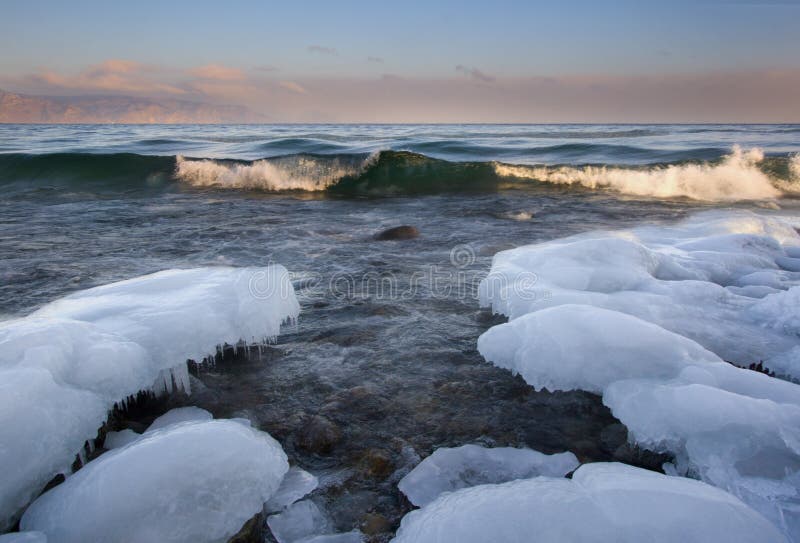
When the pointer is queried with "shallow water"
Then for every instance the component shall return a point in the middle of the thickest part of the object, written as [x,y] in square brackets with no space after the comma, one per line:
[383,361]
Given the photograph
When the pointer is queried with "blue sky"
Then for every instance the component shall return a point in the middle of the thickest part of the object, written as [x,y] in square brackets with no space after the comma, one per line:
[298,42]
[419,38]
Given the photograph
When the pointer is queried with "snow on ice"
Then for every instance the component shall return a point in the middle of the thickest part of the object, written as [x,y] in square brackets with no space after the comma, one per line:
[66,365]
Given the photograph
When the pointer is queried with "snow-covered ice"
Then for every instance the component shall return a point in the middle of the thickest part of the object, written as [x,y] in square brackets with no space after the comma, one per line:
[646,317]
[115,440]
[449,469]
[602,502]
[185,314]
[65,366]
[727,279]
[190,482]
[178,416]
[583,347]
[735,428]
[23,537]
[43,424]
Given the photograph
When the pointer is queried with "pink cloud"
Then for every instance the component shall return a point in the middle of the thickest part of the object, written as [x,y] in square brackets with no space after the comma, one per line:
[292,87]
[116,65]
[734,96]
[218,72]
[113,76]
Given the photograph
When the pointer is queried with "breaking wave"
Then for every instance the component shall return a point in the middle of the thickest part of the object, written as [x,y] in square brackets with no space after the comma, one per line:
[740,175]
[289,173]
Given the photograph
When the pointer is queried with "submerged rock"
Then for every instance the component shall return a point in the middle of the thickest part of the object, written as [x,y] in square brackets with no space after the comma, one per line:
[377,464]
[319,435]
[398,233]
[253,531]
[375,523]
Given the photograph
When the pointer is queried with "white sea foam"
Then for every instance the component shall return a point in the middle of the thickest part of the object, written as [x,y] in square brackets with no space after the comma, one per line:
[794,166]
[736,177]
[290,173]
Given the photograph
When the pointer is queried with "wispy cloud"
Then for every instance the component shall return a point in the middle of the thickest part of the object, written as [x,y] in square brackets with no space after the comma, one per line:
[732,96]
[116,65]
[474,73]
[379,60]
[321,50]
[113,76]
[217,72]
[291,86]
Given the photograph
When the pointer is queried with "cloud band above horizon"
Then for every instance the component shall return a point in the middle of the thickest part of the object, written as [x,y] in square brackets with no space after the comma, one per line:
[469,95]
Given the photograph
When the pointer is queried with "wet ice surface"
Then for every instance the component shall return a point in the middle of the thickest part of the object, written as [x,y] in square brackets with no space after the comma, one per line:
[602,502]
[65,367]
[631,315]
[449,469]
[366,383]
[188,482]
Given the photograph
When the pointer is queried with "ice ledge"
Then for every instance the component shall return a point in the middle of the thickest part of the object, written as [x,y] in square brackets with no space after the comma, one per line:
[66,365]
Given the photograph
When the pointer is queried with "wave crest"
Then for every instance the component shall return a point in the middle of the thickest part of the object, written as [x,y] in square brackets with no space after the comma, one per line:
[741,175]
[299,172]
[736,177]
[794,167]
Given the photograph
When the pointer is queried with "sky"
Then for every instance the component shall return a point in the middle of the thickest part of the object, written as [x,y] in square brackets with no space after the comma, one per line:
[413,61]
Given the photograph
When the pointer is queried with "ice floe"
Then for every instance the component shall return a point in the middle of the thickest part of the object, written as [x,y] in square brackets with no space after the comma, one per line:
[306,522]
[115,440]
[645,318]
[66,365]
[299,521]
[189,482]
[449,469]
[23,537]
[602,502]
[295,485]
[728,280]
[179,415]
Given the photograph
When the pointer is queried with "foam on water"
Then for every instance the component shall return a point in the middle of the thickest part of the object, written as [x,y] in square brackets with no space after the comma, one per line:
[736,177]
[794,167]
[740,175]
[305,173]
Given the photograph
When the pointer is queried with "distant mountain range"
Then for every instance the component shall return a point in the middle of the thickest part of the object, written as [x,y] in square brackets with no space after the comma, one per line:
[25,108]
